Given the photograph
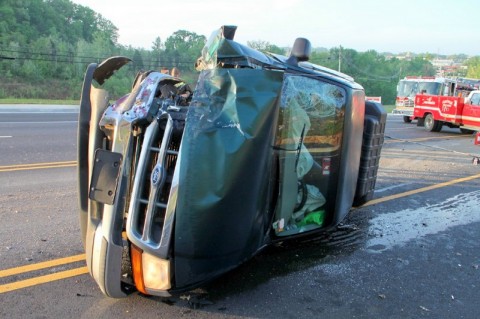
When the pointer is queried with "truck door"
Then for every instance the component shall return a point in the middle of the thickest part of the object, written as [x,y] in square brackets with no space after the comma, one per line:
[309,145]
[471,111]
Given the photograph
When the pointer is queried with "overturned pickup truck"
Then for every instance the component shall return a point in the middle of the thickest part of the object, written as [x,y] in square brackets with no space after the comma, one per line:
[177,187]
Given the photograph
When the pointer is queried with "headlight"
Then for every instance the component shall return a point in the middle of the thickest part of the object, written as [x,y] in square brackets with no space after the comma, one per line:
[151,274]
[156,272]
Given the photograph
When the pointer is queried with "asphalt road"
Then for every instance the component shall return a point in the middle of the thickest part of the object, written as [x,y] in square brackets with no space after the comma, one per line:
[412,252]
[31,136]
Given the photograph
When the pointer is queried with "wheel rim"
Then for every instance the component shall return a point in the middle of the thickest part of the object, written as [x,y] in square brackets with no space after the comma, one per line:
[428,122]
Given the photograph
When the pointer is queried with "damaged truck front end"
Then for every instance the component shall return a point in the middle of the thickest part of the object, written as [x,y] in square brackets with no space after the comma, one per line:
[127,153]
[178,187]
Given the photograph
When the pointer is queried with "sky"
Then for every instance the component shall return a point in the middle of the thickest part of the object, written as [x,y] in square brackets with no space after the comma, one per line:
[417,26]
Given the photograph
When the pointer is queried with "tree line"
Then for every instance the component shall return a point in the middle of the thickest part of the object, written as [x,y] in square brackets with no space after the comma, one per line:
[46,45]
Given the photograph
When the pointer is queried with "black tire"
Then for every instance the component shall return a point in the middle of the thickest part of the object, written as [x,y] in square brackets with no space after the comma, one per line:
[407,119]
[466,131]
[359,201]
[432,125]
[438,126]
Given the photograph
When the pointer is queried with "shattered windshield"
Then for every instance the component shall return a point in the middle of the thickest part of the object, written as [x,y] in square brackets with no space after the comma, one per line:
[315,107]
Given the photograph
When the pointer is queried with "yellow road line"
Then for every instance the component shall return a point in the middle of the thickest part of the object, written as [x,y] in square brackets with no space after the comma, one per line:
[421,190]
[43,279]
[23,167]
[425,156]
[411,152]
[397,140]
[38,164]
[42,265]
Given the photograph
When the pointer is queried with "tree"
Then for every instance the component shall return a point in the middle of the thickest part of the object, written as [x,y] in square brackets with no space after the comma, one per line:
[157,45]
[107,30]
[182,48]
[265,46]
[324,58]
[52,40]
[138,60]
[157,51]
[473,65]
[417,66]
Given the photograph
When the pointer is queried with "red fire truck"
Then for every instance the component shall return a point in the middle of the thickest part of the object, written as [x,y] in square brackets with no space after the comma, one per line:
[434,111]
[410,86]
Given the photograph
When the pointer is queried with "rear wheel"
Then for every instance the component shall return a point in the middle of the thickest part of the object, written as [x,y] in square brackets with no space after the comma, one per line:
[359,201]
[407,119]
[431,124]
[466,131]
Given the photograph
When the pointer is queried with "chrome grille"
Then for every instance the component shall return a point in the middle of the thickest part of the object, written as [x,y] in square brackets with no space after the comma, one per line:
[152,183]
[409,103]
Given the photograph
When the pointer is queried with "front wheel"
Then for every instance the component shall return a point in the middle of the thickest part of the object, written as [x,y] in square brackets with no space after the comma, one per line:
[431,124]
[407,119]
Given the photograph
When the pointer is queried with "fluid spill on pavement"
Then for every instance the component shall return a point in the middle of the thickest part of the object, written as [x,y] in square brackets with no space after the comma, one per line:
[397,228]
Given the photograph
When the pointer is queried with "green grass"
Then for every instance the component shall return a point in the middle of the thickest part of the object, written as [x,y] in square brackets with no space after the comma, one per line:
[389,108]
[39,101]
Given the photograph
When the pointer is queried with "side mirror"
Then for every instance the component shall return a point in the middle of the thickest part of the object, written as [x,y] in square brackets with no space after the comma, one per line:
[300,52]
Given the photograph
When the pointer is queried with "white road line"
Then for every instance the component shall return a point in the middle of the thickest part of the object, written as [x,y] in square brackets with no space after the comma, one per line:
[391,187]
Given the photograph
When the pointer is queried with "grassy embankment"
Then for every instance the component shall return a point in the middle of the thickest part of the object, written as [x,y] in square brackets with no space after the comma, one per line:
[389,108]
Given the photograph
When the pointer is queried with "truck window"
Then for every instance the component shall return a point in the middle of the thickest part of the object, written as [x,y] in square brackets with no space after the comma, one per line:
[475,100]
[308,143]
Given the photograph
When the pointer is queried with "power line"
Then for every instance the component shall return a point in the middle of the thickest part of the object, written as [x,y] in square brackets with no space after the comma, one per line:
[369,75]
[79,59]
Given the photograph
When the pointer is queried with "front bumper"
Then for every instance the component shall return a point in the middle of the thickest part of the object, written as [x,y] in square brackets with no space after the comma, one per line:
[403,111]
[115,143]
